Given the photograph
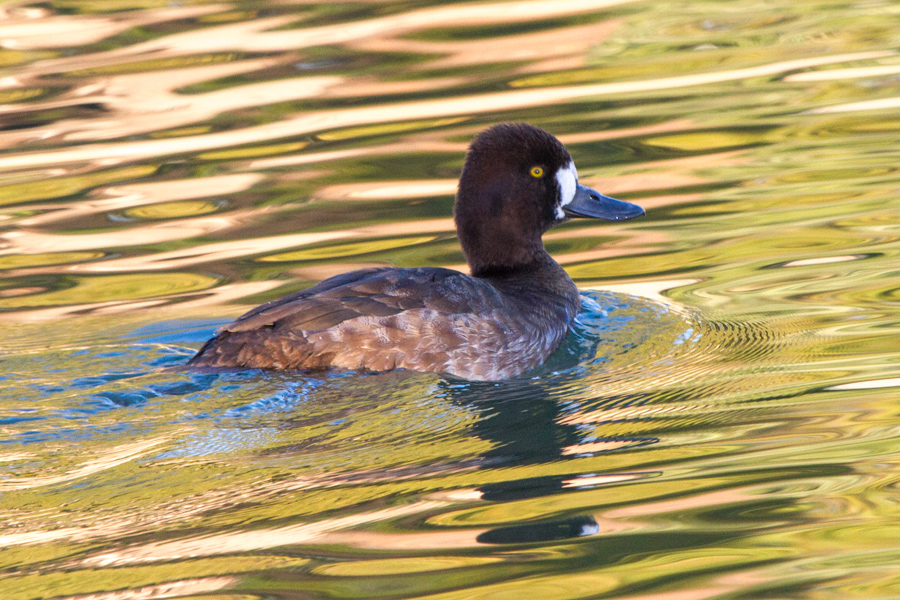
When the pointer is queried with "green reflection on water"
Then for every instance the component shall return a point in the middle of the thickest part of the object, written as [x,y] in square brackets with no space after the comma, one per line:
[92,581]
[358,132]
[172,210]
[342,250]
[114,287]
[47,189]
[19,261]
[253,152]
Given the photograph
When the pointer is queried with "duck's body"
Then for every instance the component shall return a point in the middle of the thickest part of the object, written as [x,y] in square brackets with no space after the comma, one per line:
[426,319]
[502,320]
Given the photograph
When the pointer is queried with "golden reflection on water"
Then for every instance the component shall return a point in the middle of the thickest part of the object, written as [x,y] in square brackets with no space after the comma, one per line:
[721,424]
[111,458]
[113,153]
[172,589]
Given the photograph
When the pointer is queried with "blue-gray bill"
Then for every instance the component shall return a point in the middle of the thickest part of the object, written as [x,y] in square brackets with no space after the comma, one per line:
[590,203]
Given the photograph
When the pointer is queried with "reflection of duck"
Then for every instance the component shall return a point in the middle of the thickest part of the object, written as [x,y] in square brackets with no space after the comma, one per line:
[507,317]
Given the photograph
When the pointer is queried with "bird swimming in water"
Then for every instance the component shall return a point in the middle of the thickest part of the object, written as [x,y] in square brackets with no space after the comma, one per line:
[505,318]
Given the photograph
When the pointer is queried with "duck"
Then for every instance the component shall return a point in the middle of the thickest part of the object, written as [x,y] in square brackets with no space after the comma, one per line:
[498,322]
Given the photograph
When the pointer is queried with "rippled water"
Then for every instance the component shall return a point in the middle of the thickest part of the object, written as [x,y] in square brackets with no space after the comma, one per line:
[722,422]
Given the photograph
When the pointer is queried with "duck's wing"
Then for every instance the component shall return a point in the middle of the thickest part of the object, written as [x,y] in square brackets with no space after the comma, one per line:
[301,328]
[370,293]
[267,314]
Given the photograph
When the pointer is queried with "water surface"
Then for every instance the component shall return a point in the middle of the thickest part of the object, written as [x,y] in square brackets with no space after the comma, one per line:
[721,423]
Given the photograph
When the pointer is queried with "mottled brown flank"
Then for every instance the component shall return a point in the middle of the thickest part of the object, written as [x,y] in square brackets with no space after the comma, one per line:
[499,323]
[427,319]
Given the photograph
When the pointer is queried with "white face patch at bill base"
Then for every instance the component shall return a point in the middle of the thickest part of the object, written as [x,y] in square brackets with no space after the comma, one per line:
[567,179]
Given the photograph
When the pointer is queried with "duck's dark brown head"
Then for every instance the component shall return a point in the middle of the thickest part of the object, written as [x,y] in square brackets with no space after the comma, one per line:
[517,182]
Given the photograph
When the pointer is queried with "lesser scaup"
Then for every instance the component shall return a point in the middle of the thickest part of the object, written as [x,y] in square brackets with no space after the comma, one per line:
[503,319]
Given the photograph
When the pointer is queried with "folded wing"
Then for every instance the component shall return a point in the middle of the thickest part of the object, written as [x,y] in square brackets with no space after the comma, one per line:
[374,318]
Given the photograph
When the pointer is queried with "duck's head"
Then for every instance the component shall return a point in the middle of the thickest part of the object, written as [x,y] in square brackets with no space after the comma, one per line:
[517,182]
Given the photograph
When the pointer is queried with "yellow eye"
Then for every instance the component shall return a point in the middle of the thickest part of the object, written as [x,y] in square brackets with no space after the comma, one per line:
[537,172]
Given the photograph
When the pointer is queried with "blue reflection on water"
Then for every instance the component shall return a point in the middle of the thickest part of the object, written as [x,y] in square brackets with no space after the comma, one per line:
[179,331]
[222,440]
[283,401]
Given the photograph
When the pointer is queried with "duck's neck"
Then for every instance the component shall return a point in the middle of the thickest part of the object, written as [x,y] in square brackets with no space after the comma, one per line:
[537,261]
[541,282]
[502,254]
